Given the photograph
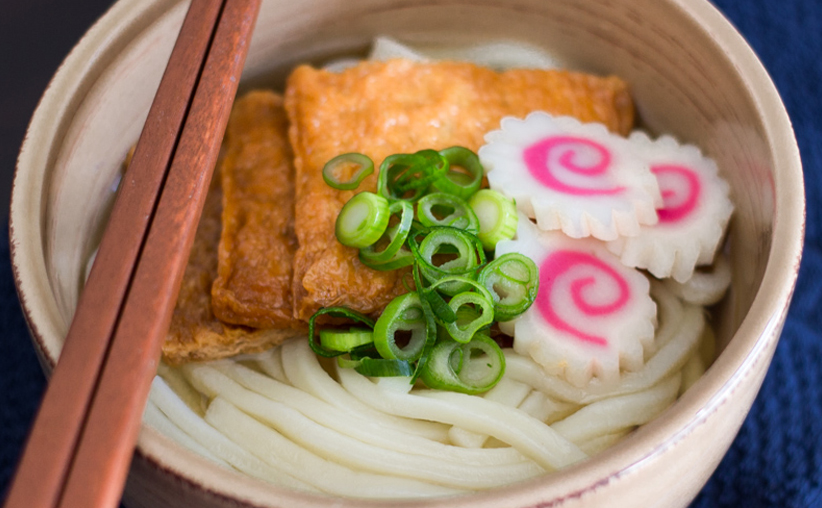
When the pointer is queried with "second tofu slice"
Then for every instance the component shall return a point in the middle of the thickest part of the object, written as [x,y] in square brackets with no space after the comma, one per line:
[257,245]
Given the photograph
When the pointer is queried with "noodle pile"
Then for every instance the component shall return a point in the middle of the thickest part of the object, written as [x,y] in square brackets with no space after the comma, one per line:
[282,417]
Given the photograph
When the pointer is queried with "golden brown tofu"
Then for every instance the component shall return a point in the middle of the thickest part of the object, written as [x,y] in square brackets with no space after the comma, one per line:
[195,333]
[249,214]
[382,108]
[253,286]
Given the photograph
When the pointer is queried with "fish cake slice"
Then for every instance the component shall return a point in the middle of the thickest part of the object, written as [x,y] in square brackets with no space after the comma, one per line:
[257,245]
[382,108]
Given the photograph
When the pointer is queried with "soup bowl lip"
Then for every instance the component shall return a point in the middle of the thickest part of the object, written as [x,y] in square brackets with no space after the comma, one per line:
[752,343]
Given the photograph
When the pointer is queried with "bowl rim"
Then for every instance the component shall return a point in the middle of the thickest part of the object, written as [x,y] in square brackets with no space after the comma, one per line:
[762,324]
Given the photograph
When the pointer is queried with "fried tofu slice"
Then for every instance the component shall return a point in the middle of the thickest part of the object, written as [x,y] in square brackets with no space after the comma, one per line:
[382,108]
[255,164]
[257,245]
[195,333]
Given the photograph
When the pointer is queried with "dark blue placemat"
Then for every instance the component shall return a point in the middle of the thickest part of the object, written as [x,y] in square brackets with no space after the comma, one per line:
[21,379]
[776,460]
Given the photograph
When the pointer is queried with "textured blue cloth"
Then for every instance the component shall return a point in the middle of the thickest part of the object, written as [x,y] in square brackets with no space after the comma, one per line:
[776,460]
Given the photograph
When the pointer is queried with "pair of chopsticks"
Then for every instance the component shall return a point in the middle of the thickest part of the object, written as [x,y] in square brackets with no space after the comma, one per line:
[79,449]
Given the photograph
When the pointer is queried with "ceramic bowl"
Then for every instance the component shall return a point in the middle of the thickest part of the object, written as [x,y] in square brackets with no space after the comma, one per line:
[692,75]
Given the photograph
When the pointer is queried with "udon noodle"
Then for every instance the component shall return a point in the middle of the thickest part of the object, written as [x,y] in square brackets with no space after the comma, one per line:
[280,415]
[289,418]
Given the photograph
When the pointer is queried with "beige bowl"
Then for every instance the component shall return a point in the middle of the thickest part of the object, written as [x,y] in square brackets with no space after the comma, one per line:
[692,75]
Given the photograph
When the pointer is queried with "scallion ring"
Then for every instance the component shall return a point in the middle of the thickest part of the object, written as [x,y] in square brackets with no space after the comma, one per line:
[458,313]
[464,314]
[376,367]
[401,259]
[345,340]
[440,308]
[458,183]
[431,339]
[364,166]
[444,312]
[414,173]
[407,314]
[379,367]
[467,282]
[362,220]
[471,368]
[391,169]
[461,329]
[337,312]
[447,251]
[513,281]
[441,209]
[432,169]
[347,363]
[394,236]
[497,216]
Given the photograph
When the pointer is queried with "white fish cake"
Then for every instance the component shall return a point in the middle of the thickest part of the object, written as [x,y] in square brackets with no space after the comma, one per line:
[692,220]
[593,316]
[569,176]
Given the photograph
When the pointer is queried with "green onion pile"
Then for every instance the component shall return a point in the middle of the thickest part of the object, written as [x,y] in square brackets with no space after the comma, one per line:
[430,214]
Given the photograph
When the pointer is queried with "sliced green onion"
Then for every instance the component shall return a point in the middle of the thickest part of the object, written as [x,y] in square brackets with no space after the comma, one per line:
[391,169]
[462,313]
[513,281]
[445,241]
[442,311]
[378,367]
[463,330]
[364,167]
[404,173]
[466,282]
[465,314]
[346,340]
[432,169]
[419,283]
[394,236]
[497,216]
[347,362]
[441,209]
[364,351]
[424,333]
[401,259]
[405,313]
[430,341]
[458,183]
[362,220]
[470,368]
[442,334]
[337,312]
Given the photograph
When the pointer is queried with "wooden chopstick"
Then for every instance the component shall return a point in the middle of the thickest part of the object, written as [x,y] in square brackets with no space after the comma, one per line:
[78,452]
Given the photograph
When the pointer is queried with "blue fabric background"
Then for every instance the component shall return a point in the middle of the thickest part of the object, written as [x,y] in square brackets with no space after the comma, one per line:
[776,460]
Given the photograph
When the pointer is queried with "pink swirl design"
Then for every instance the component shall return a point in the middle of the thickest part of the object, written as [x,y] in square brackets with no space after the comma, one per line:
[554,267]
[680,189]
[548,155]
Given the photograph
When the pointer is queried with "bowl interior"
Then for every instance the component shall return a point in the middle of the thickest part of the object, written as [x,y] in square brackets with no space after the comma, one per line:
[691,76]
